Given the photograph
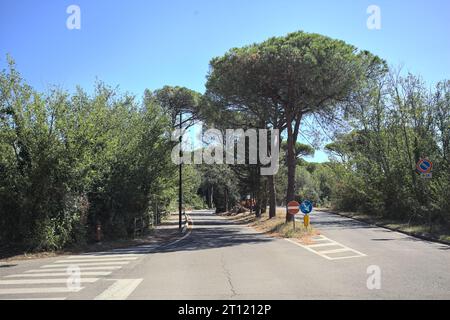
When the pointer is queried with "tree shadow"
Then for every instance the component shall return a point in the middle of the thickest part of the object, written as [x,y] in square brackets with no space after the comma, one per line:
[336,223]
[212,232]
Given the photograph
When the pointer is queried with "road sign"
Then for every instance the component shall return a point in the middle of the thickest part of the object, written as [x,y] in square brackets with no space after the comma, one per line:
[424,168]
[293,207]
[306,207]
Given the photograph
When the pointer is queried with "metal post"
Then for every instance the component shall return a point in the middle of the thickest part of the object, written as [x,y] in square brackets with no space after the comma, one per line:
[180,186]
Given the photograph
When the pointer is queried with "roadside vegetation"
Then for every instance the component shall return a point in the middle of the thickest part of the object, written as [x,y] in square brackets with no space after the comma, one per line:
[276,226]
[72,161]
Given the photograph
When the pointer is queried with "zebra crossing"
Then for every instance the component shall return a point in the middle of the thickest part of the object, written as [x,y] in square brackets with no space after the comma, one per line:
[59,279]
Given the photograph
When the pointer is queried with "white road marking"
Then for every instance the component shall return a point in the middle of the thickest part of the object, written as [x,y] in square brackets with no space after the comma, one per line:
[59,298]
[323,245]
[307,248]
[57,274]
[133,252]
[39,290]
[335,251]
[81,268]
[120,290]
[95,260]
[320,239]
[347,257]
[97,256]
[46,281]
[94,264]
[325,253]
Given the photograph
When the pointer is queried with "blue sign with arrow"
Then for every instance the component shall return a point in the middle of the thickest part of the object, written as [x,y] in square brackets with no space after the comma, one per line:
[306,207]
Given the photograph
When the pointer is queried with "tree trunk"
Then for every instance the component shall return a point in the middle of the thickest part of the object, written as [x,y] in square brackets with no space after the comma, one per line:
[291,163]
[212,197]
[264,199]
[226,200]
[264,204]
[272,197]
[258,206]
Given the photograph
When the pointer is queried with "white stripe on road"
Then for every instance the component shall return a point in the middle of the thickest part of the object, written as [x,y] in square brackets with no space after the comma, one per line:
[85,264]
[39,290]
[324,253]
[347,257]
[60,298]
[320,239]
[81,268]
[328,244]
[97,256]
[57,274]
[46,281]
[96,260]
[335,251]
[120,290]
[132,252]
[307,248]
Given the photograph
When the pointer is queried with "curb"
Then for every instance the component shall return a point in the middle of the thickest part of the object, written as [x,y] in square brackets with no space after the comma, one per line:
[185,228]
[380,225]
[187,223]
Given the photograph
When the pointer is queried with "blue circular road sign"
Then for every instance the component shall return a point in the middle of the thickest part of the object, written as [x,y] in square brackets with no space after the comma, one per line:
[306,207]
[424,166]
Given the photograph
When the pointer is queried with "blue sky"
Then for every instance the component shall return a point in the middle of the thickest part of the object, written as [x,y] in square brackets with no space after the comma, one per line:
[138,44]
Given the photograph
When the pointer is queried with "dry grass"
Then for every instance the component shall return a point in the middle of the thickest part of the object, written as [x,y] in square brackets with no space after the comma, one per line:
[275,227]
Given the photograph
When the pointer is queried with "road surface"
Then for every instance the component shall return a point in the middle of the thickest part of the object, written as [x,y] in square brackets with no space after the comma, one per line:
[220,259]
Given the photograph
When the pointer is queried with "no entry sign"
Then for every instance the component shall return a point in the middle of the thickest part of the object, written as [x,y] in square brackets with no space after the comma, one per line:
[293,207]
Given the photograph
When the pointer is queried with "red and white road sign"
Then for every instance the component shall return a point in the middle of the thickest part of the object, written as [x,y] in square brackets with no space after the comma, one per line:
[293,207]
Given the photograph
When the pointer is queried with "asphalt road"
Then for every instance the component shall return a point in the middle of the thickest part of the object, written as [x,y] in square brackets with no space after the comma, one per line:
[219,259]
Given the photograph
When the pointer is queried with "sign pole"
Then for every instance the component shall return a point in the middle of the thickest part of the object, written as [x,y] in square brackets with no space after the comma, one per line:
[306,207]
[292,208]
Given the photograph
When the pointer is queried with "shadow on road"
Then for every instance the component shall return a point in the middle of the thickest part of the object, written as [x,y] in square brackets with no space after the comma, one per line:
[334,223]
[211,231]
